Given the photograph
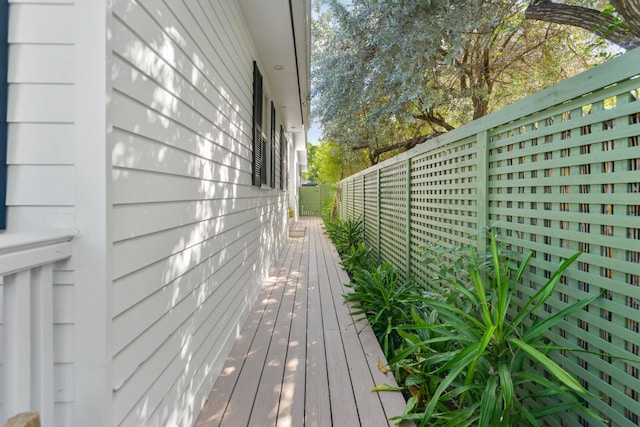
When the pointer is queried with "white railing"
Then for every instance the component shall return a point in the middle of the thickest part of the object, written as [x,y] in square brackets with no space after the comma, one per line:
[26,268]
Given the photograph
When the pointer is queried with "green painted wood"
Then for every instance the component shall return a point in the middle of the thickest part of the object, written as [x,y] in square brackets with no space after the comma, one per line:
[408,219]
[482,212]
[556,173]
[378,217]
[314,198]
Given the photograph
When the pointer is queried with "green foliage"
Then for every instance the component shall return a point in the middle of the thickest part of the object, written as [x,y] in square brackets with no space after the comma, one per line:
[357,258]
[345,234]
[479,362]
[329,210]
[380,296]
[387,71]
[312,173]
[333,162]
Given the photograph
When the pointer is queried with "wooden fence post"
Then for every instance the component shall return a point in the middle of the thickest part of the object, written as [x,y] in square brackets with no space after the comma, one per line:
[378,219]
[482,195]
[408,223]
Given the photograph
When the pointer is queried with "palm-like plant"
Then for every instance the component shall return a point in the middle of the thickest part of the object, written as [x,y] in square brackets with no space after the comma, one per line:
[357,258]
[484,369]
[345,234]
[380,296]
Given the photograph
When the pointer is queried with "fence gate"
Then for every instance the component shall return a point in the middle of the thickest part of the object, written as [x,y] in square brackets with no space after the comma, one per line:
[314,198]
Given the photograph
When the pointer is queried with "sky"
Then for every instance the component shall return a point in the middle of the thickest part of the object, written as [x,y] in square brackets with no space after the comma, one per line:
[314,134]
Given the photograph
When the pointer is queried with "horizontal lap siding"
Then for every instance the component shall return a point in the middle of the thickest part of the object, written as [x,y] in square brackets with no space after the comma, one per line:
[192,238]
[40,158]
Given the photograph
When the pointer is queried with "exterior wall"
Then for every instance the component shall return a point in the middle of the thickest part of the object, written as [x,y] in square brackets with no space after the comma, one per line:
[143,142]
[192,238]
[40,193]
[296,167]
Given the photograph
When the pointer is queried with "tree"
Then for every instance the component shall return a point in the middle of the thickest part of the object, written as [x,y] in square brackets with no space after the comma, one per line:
[389,75]
[312,173]
[334,162]
[618,22]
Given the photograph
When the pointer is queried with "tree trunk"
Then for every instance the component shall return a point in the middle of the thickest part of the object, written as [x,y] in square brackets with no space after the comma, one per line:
[480,106]
[630,12]
[626,35]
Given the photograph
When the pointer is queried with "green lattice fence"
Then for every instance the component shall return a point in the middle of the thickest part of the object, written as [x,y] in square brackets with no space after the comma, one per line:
[556,173]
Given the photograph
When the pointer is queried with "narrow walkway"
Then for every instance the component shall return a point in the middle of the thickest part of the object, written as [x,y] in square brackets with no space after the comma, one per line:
[299,359]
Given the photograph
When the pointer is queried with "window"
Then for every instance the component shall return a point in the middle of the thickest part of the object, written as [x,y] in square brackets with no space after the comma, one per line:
[267,157]
[4,62]
[258,141]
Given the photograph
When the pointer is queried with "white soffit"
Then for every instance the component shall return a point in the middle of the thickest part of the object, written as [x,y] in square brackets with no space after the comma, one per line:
[275,25]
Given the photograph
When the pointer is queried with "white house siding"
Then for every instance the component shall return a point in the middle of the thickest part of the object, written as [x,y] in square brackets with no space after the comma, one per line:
[40,193]
[192,238]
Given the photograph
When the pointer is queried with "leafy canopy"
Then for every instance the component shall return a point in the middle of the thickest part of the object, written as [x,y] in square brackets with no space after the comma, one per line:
[389,74]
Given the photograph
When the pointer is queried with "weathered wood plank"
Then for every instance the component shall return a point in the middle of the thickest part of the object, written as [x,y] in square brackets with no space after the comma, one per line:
[368,403]
[343,405]
[214,409]
[245,390]
[302,361]
[291,409]
[267,400]
[317,405]
[363,353]
[361,365]
[329,319]
[393,403]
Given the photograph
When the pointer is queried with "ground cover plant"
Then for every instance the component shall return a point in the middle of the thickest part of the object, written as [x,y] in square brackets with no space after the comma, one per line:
[344,234]
[474,361]
[380,296]
[463,355]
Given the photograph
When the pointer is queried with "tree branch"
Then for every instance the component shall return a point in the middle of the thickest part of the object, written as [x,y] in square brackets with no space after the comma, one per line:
[583,17]
[431,118]
[374,153]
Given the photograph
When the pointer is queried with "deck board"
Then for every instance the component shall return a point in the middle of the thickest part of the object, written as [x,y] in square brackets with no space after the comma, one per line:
[290,410]
[301,359]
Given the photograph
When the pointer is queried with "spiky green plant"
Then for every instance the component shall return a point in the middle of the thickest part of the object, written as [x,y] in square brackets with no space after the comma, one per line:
[345,234]
[381,296]
[479,367]
[357,258]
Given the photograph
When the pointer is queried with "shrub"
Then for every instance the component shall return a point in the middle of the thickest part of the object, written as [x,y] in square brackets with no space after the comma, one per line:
[357,258]
[477,366]
[345,234]
[380,296]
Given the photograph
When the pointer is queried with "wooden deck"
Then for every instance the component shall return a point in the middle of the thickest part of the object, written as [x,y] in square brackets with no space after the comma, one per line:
[299,359]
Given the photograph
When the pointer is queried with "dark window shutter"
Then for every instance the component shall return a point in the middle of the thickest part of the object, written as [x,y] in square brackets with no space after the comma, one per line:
[283,160]
[263,161]
[258,143]
[273,146]
[4,63]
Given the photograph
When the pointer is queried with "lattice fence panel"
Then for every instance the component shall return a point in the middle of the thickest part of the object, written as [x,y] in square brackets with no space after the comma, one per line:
[566,180]
[443,201]
[349,199]
[371,212]
[358,198]
[560,173]
[393,215]
[344,199]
